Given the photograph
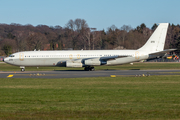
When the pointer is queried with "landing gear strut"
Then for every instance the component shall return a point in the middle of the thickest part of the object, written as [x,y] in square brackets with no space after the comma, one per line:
[88,68]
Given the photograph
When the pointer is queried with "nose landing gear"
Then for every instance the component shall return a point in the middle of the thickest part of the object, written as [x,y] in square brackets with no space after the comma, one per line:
[22,68]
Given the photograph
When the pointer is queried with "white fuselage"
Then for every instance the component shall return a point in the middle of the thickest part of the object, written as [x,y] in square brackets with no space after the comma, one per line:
[59,58]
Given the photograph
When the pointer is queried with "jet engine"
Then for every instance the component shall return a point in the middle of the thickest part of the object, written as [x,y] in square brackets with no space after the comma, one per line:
[73,64]
[94,62]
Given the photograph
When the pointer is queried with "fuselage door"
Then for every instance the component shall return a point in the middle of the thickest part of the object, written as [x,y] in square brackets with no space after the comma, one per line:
[21,56]
[71,56]
[137,55]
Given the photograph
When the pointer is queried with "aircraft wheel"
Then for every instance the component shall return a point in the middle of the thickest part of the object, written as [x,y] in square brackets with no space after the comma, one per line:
[92,69]
[22,69]
[86,68]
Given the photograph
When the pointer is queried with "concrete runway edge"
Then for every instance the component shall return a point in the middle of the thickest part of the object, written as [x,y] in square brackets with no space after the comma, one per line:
[80,74]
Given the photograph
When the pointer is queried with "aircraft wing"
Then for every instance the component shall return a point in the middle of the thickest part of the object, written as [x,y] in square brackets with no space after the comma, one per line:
[104,58]
[100,60]
[111,57]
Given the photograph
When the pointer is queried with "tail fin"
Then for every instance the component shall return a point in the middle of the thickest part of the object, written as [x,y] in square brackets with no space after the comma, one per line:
[157,40]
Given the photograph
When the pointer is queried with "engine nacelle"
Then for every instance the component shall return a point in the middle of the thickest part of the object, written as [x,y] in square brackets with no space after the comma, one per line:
[94,62]
[71,64]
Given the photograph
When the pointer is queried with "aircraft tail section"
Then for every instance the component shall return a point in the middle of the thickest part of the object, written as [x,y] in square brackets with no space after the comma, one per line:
[157,40]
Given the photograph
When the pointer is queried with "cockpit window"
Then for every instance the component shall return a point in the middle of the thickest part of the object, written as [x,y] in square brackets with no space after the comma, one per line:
[12,56]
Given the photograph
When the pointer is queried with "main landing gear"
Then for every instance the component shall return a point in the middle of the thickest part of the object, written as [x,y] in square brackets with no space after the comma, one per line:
[88,68]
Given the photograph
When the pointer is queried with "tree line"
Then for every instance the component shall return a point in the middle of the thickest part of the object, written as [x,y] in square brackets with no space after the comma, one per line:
[77,35]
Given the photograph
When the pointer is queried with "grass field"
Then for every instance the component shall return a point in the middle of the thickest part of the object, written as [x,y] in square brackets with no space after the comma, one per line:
[141,66]
[154,97]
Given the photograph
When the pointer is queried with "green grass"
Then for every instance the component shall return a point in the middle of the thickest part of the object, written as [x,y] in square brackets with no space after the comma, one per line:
[141,66]
[154,97]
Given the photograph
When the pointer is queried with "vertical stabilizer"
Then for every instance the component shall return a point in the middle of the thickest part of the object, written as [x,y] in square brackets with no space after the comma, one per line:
[157,40]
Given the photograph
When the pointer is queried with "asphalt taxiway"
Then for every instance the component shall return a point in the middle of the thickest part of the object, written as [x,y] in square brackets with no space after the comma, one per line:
[80,74]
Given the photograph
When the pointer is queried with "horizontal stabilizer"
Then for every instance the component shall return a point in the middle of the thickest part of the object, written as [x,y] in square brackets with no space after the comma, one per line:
[161,53]
[164,51]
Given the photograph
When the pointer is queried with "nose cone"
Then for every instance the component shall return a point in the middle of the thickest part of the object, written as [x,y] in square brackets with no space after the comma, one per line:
[5,60]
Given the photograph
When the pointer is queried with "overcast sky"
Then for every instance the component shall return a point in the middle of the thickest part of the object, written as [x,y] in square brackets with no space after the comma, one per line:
[99,14]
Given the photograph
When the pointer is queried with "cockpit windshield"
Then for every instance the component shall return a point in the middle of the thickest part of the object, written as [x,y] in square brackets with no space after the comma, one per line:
[12,56]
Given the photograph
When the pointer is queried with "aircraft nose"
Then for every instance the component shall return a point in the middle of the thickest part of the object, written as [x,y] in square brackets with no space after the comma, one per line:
[5,59]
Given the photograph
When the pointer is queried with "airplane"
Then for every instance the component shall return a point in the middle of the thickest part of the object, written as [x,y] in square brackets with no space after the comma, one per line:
[153,48]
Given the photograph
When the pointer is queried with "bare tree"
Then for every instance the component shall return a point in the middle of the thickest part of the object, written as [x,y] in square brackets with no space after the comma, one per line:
[21,40]
[36,41]
[96,40]
[70,25]
[93,36]
[86,37]
[125,29]
[80,24]
[113,27]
